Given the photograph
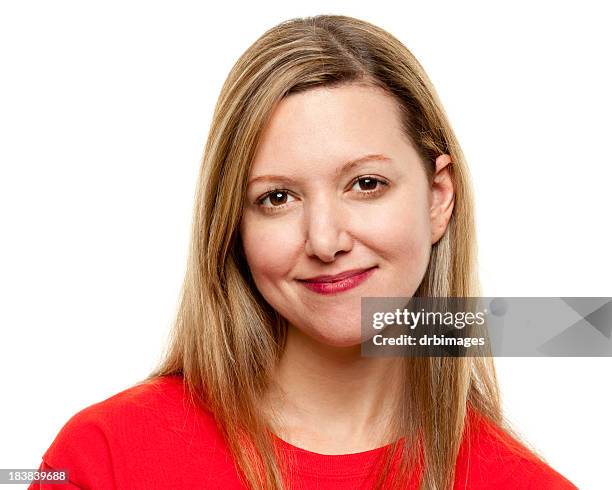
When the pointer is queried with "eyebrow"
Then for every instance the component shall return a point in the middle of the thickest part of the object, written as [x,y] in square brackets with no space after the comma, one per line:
[345,168]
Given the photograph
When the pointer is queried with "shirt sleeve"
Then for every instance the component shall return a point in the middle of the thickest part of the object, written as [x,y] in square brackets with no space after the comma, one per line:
[82,449]
[547,478]
[42,485]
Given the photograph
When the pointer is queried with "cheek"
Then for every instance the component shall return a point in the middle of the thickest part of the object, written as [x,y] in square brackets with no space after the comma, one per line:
[401,235]
[270,249]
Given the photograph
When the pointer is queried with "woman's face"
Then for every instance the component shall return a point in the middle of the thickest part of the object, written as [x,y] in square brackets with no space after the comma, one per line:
[326,215]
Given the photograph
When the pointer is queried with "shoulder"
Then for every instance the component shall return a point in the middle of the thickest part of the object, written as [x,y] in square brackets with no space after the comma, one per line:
[126,434]
[489,457]
[136,408]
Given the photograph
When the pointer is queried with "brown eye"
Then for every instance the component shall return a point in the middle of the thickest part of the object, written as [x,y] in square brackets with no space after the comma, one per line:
[367,183]
[278,198]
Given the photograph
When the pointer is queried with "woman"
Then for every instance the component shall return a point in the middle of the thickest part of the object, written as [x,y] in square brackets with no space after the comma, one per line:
[331,173]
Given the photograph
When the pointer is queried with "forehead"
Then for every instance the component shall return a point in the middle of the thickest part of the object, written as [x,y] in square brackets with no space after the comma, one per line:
[326,125]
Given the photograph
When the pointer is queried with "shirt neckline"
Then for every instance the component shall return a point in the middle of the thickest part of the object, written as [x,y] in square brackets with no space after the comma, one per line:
[332,465]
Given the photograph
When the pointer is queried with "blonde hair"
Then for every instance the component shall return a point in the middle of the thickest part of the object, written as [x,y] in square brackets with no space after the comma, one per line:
[227,339]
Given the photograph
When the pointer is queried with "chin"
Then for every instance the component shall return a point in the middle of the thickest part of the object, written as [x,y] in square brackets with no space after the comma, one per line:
[345,343]
[349,340]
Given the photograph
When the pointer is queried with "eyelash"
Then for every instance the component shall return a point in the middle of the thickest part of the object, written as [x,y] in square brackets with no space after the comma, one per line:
[371,193]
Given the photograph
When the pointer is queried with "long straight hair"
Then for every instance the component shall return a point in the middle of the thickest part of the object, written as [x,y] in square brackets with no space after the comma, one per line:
[227,339]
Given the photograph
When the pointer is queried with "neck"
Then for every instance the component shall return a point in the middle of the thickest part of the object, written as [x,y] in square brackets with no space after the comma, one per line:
[331,398]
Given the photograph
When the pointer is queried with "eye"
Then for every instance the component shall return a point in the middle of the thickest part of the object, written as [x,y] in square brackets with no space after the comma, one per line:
[369,184]
[277,197]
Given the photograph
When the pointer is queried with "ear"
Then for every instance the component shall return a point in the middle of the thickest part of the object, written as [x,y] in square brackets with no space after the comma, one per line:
[442,198]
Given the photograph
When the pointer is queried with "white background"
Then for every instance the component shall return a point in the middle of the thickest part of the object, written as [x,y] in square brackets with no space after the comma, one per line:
[104,110]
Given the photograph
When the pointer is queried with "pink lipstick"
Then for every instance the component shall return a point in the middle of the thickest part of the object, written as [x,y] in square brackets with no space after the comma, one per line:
[338,283]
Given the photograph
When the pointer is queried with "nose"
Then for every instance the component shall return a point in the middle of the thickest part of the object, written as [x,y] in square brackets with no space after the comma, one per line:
[327,230]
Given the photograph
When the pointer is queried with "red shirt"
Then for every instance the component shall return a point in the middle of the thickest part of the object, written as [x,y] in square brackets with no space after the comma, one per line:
[149,436]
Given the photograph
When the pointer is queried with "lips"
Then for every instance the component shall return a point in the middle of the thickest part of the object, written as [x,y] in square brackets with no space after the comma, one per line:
[331,285]
[336,277]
